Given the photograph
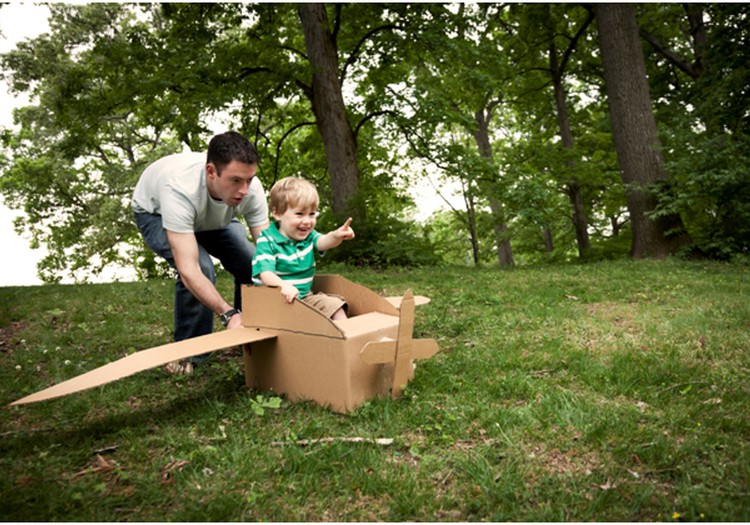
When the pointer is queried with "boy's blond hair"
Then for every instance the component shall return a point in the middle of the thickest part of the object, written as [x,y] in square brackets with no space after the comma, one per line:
[293,192]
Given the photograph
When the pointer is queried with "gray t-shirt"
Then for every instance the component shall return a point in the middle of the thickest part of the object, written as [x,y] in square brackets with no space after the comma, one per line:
[175,188]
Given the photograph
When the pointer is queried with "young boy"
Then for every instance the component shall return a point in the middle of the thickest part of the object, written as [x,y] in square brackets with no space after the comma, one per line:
[284,255]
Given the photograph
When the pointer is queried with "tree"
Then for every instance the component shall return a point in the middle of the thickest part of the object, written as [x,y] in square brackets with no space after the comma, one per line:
[634,131]
[557,70]
[104,75]
[77,154]
[697,62]
[455,90]
[329,109]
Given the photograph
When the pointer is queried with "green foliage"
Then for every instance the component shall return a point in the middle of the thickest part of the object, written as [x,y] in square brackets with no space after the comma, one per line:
[710,188]
[79,151]
[704,124]
[261,403]
[448,236]
[388,242]
[461,92]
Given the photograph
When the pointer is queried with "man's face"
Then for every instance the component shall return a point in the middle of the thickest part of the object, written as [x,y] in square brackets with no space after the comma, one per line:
[233,183]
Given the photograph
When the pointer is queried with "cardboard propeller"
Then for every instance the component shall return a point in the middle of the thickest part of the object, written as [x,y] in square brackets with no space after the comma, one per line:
[296,350]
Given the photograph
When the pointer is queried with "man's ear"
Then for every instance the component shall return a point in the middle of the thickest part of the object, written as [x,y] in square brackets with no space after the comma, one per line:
[211,170]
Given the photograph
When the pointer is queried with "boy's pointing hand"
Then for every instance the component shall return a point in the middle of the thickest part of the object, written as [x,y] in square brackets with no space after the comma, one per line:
[346,232]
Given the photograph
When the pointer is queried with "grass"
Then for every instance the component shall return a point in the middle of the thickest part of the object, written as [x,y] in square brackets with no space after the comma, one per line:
[613,391]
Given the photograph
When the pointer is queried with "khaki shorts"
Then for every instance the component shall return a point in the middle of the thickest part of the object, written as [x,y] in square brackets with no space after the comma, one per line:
[326,303]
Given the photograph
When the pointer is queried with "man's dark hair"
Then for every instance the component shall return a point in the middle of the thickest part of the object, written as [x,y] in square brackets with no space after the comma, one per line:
[229,146]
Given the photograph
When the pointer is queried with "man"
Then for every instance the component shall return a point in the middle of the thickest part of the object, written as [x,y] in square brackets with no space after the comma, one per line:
[185,207]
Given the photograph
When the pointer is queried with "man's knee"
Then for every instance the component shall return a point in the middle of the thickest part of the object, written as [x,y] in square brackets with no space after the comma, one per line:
[238,238]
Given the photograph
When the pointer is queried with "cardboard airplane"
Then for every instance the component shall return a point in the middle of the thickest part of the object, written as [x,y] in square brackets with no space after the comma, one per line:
[293,349]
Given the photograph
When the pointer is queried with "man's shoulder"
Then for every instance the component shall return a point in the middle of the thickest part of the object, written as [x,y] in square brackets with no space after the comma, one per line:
[180,163]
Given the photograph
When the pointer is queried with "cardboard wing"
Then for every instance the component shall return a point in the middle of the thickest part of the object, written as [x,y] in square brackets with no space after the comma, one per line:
[419,300]
[151,358]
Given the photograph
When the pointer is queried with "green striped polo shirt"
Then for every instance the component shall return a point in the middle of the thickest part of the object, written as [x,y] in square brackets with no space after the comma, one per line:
[293,261]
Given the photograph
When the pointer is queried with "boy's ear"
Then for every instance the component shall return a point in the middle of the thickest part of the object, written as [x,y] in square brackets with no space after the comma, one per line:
[276,215]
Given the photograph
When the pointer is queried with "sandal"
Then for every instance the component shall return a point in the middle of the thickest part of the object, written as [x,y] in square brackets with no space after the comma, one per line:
[183,367]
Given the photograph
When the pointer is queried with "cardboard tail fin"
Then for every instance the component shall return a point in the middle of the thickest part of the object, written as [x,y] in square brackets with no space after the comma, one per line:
[400,352]
[146,359]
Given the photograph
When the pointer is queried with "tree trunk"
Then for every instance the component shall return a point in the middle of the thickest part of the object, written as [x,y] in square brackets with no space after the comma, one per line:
[573,188]
[549,245]
[472,224]
[634,131]
[699,35]
[329,109]
[500,227]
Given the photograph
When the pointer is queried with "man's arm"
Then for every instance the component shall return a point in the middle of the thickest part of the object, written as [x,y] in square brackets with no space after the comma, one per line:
[255,231]
[186,257]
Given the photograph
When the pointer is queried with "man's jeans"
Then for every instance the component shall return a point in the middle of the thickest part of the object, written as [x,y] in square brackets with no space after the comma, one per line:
[230,245]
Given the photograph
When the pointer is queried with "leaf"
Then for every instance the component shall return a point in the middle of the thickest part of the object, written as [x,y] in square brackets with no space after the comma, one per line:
[608,485]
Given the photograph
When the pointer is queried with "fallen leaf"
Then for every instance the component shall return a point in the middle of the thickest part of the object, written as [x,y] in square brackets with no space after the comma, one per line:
[102,465]
[607,486]
[166,472]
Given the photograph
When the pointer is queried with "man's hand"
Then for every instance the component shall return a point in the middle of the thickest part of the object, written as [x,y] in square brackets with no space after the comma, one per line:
[234,322]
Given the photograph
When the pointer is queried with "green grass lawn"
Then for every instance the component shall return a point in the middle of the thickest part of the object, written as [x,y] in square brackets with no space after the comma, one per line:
[614,391]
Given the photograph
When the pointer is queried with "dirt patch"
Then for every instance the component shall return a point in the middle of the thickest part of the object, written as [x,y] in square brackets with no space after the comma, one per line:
[10,335]
[605,326]
[564,461]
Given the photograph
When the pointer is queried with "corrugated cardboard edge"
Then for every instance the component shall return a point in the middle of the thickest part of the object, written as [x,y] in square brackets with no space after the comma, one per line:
[263,307]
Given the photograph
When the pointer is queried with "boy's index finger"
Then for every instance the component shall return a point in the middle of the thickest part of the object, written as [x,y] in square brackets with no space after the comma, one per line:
[347,223]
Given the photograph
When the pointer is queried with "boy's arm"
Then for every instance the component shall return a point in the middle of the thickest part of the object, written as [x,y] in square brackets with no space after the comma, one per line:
[335,237]
[289,291]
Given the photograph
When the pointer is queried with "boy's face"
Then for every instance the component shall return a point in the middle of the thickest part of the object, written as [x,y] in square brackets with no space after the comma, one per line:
[296,223]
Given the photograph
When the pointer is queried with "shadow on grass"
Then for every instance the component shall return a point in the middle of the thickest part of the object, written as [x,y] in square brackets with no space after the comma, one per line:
[183,406]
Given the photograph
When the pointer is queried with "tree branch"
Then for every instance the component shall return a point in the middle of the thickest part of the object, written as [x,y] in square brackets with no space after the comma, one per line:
[247,71]
[670,55]
[574,42]
[355,53]
[280,143]
[368,118]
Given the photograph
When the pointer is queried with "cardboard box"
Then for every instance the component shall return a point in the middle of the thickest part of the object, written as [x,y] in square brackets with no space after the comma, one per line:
[293,349]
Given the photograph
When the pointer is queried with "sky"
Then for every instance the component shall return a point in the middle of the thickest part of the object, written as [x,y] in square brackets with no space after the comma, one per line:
[17,22]
[22,20]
